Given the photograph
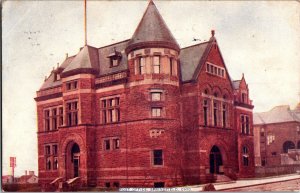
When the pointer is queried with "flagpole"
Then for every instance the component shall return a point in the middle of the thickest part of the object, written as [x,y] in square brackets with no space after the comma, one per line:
[85,36]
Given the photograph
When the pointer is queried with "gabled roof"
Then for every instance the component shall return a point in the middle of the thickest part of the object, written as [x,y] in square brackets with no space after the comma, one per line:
[87,59]
[278,114]
[190,58]
[152,30]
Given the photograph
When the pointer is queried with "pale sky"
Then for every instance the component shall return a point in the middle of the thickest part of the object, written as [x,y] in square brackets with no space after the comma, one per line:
[260,39]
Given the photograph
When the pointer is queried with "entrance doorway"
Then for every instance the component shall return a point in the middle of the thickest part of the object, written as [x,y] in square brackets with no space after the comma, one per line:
[215,161]
[75,159]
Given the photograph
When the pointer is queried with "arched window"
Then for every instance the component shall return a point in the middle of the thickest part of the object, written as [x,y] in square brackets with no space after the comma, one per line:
[288,145]
[245,156]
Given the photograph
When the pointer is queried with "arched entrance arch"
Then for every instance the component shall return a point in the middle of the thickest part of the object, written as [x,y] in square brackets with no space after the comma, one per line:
[215,161]
[288,145]
[72,160]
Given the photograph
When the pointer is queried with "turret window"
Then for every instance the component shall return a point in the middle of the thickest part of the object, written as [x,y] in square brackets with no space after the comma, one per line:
[141,65]
[156,64]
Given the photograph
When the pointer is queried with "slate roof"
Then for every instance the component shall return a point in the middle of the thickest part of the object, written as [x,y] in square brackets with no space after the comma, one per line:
[190,59]
[50,82]
[278,114]
[87,58]
[104,61]
[152,29]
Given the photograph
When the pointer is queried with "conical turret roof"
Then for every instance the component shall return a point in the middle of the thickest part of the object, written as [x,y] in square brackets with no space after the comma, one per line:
[152,31]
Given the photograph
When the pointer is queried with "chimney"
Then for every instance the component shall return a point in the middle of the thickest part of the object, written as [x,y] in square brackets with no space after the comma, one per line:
[25,172]
[67,55]
[212,33]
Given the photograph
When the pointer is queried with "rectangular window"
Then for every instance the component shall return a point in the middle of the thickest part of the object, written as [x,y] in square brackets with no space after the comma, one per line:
[72,113]
[156,64]
[106,144]
[207,67]
[215,114]
[205,109]
[247,126]
[157,157]
[110,112]
[156,111]
[47,150]
[171,66]
[54,149]
[72,85]
[48,163]
[116,143]
[47,120]
[54,118]
[61,116]
[243,124]
[155,96]
[224,115]
[141,65]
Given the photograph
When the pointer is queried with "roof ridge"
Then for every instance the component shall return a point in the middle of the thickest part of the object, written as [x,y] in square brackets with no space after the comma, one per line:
[113,44]
[194,45]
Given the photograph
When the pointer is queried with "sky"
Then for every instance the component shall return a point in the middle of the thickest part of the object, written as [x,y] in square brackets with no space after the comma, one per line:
[260,39]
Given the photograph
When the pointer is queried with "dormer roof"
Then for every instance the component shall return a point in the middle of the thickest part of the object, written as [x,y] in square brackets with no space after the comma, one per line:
[152,31]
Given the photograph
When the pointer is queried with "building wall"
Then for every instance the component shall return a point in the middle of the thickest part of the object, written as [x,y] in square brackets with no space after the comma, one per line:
[271,151]
[180,132]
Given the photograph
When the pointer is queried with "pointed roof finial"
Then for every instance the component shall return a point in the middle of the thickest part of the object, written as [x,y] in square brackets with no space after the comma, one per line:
[212,32]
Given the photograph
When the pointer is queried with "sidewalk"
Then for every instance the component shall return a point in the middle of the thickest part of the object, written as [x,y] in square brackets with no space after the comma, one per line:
[248,182]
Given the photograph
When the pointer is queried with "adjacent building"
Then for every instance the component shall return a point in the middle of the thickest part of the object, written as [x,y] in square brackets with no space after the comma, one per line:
[144,112]
[277,139]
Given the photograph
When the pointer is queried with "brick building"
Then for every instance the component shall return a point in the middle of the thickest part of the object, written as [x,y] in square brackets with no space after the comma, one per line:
[144,112]
[277,137]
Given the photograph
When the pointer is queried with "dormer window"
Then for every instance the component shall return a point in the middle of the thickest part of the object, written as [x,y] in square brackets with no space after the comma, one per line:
[115,58]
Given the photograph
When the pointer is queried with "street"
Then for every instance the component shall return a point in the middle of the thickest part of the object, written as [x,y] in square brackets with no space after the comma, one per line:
[290,185]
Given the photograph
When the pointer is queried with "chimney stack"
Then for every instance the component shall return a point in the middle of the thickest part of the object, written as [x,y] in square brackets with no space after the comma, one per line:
[25,172]
[67,55]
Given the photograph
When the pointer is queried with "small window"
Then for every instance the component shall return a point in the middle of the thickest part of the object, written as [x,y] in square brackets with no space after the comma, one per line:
[156,64]
[107,184]
[156,112]
[157,157]
[159,184]
[114,62]
[47,150]
[245,156]
[54,149]
[107,144]
[156,96]
[72,85]
[274,153]
[116,184]
[116,143]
